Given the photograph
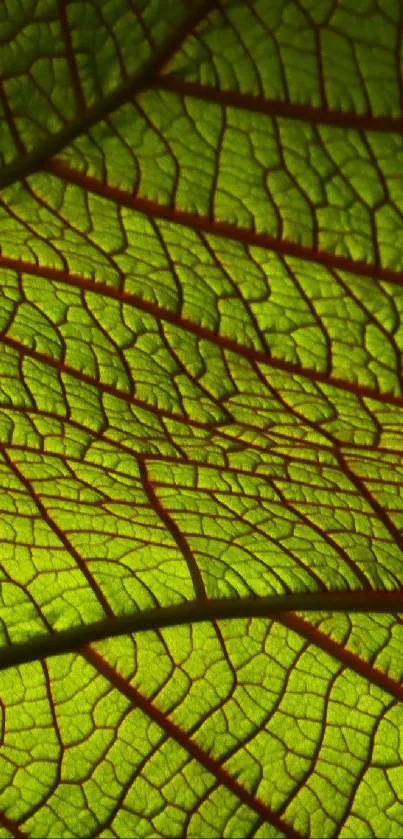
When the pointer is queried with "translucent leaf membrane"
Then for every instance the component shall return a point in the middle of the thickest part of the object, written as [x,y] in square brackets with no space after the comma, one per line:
[201,567]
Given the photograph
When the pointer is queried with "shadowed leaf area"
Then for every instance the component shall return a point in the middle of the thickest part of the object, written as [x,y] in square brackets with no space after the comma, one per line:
[201,419]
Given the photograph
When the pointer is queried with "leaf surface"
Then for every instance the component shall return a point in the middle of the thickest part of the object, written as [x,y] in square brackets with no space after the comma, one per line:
[201,565]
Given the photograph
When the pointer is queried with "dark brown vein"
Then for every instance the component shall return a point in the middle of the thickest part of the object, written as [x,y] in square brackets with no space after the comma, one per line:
[272,607]
[71,61]
[125,92]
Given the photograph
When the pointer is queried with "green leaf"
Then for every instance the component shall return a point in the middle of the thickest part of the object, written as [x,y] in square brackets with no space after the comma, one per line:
[201,435]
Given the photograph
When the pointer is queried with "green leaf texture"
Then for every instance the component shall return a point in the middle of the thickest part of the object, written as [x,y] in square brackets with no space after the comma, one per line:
[201,419]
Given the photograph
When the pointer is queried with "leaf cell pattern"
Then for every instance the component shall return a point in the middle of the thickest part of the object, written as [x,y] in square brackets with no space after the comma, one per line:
[201,394]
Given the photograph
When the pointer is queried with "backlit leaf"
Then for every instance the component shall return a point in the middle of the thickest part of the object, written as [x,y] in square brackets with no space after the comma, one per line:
[201,307]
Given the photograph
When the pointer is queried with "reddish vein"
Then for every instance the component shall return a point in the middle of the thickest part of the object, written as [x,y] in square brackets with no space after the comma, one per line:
[173,529]
[339,652]
[275,107]
[220,228]
[250,353]
[12,827]
[59,533]
[187,743]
